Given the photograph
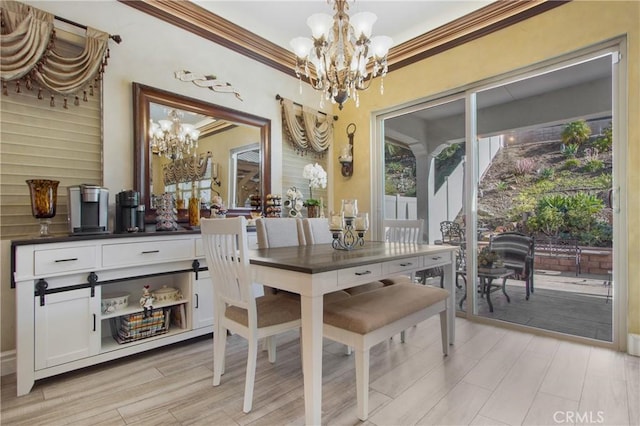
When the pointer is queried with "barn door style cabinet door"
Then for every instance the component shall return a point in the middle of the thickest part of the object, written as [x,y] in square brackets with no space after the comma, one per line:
[67,327]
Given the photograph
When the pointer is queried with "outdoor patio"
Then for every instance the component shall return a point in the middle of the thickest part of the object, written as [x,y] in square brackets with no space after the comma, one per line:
[581,306]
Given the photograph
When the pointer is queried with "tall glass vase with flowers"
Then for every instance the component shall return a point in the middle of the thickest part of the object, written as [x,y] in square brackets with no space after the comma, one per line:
[317,179]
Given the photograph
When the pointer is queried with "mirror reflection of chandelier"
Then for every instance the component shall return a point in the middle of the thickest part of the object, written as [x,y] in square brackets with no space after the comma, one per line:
[172,138]
[340,51]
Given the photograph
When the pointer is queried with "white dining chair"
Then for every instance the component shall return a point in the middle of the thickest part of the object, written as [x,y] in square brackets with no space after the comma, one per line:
[279,232]
[316,230]
[235,307]
[403,230]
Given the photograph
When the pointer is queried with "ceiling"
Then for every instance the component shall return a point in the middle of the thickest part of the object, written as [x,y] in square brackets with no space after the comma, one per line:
[419,28]
[281,21]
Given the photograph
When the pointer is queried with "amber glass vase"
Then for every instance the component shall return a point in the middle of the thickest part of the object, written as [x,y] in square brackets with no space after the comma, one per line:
[44,196]
[194,211]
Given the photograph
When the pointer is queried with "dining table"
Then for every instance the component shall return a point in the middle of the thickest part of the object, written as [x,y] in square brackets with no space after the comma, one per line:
[314,270]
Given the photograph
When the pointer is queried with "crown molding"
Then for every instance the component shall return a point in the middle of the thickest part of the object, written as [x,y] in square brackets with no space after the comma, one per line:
[197,20]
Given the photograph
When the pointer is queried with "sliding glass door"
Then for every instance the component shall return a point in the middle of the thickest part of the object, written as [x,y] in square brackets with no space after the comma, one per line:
[535,193]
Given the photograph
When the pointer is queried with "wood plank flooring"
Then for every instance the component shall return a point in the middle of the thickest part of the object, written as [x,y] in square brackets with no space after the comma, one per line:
[492,376]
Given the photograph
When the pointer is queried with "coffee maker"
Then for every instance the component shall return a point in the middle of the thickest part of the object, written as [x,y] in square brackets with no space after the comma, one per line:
[88,209]
[129,212]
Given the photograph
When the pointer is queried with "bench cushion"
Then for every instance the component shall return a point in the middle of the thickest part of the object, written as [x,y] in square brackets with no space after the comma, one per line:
[374,309]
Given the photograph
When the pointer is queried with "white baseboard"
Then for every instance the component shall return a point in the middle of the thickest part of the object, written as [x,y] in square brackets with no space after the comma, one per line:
[633,344]
[7,362]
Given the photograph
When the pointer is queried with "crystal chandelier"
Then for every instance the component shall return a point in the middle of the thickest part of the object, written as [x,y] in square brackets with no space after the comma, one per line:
[172,138]
[340,52]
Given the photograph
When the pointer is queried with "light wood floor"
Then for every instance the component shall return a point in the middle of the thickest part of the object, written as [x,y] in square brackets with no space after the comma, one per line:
[492,376]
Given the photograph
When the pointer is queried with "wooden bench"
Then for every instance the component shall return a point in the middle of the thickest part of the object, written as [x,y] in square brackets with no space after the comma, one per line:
[560,248]
[366,319]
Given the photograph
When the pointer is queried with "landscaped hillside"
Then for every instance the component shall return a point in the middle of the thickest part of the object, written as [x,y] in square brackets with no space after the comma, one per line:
[539,187]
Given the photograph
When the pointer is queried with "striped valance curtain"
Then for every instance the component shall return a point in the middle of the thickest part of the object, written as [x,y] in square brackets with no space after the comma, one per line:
[307,129]
[28,55]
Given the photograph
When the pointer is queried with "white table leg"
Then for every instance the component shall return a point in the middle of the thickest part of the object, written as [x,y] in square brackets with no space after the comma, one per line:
[450,285]
[312,357]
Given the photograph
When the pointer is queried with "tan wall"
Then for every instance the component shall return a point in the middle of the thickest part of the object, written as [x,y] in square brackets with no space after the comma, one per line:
[565,29]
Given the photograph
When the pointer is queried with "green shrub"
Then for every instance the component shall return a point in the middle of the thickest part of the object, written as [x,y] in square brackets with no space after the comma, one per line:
[571,163]
[574,215]
[576,133]
[594,165]
[600,235]
[605,142]
[570,150]
[547,173]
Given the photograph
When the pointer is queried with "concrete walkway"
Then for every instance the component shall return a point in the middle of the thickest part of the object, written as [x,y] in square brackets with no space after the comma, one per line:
[561,302]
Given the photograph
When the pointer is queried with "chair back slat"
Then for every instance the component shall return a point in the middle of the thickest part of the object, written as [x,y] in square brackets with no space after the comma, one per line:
[225,247]
[403,231]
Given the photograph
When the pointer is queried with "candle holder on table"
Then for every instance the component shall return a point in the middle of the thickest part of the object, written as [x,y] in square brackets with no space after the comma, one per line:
[347,227]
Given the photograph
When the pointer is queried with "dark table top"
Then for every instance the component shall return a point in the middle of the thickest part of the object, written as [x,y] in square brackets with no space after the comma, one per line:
[318,258]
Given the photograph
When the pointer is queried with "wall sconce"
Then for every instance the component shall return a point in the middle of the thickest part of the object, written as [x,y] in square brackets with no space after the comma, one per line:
[346,155]
[214,174]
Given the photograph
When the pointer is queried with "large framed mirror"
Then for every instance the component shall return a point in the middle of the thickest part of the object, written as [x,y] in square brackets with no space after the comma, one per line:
[231,149]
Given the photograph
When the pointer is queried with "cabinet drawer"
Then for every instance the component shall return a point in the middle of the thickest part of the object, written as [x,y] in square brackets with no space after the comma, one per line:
[437,259]
[147,252]
[359,275]
[64,260]
[401,265]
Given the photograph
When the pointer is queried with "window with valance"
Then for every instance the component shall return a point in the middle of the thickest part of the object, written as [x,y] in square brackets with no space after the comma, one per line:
[28,55]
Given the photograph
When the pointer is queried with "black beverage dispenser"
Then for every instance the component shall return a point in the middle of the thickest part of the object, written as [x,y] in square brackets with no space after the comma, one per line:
[127,212]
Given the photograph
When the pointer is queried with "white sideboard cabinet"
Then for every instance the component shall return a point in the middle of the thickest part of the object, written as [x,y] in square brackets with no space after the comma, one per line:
[60,283]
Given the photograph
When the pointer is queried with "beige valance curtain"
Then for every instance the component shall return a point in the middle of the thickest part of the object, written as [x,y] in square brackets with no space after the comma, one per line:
[28,52]
[308,129]
[186,169]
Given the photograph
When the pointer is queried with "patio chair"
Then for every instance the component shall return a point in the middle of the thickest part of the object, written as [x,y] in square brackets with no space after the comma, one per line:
[236,308]
[517,252]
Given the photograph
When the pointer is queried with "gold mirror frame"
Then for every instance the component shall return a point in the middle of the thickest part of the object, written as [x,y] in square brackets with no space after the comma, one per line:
[144,95]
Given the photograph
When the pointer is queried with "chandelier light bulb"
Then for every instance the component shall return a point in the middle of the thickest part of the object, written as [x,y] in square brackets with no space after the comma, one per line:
[380,46]
[301,46]
[320,24]
[362,24]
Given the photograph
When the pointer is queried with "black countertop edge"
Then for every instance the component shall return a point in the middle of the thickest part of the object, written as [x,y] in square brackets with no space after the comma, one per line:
[109,236]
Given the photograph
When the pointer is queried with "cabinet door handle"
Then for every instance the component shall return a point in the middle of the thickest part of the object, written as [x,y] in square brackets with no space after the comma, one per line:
[363,273]
[406,264]
[72,259]
[436,258]
[151,251]
[94,322]
[197,301]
